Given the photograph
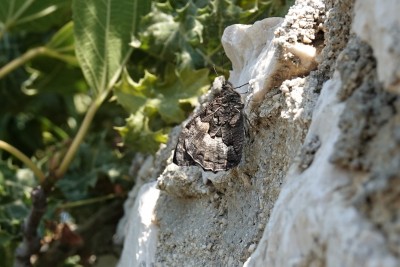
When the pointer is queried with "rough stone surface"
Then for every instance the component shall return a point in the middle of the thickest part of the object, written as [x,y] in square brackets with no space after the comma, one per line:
[319,183]
[379,25]
[143,228]
[315,221]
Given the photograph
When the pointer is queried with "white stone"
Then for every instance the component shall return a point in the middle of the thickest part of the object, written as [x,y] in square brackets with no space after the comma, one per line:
[141,241]
[313,222]
[256,41]
[310,205]
[378,23]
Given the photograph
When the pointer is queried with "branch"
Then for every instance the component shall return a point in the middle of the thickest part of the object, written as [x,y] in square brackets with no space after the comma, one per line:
[28,55]
[31,241]
[97,223]
[22,157]
[81,134]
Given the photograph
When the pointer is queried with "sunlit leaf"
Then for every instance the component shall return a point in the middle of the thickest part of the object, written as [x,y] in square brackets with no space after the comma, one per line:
[155,105]
[137,135]
[103,31]
[170,33]
[61,45]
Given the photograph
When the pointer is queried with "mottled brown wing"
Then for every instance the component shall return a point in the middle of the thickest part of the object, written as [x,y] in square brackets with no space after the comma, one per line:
[213,139]
[181,157]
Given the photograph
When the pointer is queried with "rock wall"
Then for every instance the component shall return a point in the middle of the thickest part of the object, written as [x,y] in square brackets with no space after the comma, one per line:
[318,181]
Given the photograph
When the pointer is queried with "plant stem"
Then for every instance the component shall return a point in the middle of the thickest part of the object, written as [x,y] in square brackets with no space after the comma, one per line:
[31,53]
[69,156]
[85,202]
[30,244]
[22,157]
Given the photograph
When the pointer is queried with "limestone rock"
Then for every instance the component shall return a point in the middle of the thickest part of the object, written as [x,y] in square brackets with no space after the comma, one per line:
[318,184]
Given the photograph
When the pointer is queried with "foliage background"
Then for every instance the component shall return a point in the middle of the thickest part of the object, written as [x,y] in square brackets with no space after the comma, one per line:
[121,74]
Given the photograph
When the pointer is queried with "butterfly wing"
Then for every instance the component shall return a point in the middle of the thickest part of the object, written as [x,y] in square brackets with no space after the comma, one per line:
[213,139]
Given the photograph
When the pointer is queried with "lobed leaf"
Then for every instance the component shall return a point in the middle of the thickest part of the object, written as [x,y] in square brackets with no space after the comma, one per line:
[156,105]
[169,33]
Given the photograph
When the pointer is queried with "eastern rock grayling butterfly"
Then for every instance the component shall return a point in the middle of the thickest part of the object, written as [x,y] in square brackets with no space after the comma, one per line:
[213,139]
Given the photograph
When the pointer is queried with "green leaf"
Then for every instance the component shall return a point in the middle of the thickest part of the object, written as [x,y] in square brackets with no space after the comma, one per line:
[137,135]
[103,31]
[165,97]
[8,245]
[58,69]
[94,163]
[32,15]
[156,105]
[189,32]
[51,75]
[172,33]
[5,238]
[132,96]
[61,45]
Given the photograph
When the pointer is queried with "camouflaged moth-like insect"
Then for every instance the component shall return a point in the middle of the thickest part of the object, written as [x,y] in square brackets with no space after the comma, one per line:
[213,139]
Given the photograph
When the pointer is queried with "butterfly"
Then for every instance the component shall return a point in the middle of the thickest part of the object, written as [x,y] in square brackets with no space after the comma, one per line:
[213,139]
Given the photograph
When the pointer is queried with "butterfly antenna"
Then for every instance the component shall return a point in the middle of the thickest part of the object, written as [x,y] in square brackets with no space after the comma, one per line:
[215,70]
[242,86]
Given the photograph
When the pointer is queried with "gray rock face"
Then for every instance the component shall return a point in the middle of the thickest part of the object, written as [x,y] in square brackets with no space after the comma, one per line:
[319,179]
